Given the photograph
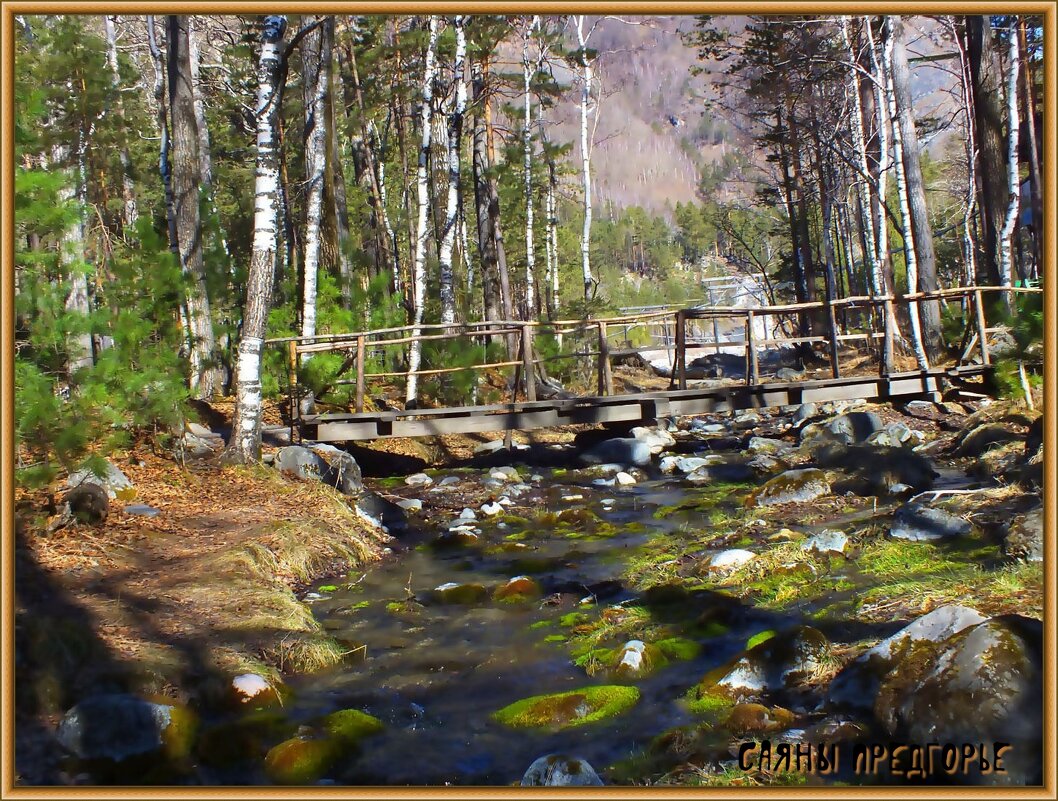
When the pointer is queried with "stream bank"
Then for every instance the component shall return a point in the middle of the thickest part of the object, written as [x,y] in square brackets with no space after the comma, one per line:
[635,617]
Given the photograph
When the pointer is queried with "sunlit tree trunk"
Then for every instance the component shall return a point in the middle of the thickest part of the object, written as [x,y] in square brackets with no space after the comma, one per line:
[245,444]
[910,257]
[1006,272]
[1028,113]
[585,156]
[455,136]
[421,230]
[72,263]
[527,161]
[921,231]
[187,181]
[316,51]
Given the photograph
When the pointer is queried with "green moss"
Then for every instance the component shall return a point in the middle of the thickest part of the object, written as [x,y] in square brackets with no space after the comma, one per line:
[568,709]
[594,659]
[179,736]
[351,725]
[541,624]
[708,705]
[679,648]
[758,638]
[327,588]
[713,628]
[571,619]
[555,638]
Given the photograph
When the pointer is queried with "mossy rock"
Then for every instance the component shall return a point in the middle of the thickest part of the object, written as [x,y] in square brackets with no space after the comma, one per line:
[234,741]
[456,539]
[757,718]
[519,589]
[568,709]
[636,659]
[302,760]
[351,725]
[178,738]
[793,486]
[463,594]
[713,706]
[758,638]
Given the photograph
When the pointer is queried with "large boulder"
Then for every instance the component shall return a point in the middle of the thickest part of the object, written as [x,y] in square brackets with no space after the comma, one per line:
[856,686]
[655,438]
[112,480]
[620,450]
[298,461]
[119,726]
[876,469]
[778,663]
[559,770]
[975,441]
[793,486]
[1023,538]
[982,685]
[323,463]
[844,429]
[920,523]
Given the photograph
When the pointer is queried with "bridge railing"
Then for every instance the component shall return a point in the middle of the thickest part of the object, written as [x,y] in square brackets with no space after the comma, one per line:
[595,339]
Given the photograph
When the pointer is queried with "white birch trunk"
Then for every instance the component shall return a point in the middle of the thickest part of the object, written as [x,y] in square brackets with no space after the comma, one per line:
[422,231]
[910,257]
[317,53]
[875,271]
[527,154]
[881,224]
[245,444]
[585,97]
[454,132]
[1006,266]
[970,146]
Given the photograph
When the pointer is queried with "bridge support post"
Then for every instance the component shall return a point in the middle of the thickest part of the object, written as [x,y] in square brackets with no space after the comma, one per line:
[681,349]
[982,328]
[752,365]
[605,373]
[360,344]
[832,332]
[528,371]
[887,342]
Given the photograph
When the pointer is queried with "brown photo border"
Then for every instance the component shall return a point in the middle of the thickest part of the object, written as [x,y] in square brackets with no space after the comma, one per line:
[8,10]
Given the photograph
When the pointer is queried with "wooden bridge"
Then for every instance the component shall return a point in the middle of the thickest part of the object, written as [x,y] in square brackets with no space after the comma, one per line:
[593,344]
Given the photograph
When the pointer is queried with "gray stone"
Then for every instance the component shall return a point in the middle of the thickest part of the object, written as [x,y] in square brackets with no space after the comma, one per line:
[343,472]
[300,462]
[418,480]
[559,770]
[410,504]
[845,429]
[731,559]
[688,464]
[977,440]
[112,480]
[142,509]
[773,447]
[984,684]
[856,686]
[201,431]
[793,486]
[621,450]
[1024,537]
[919,523]
[448,481]
[777,663]
[804,412]
[657,440]
[116,727]
[722,471]
[827,542]
[624,479]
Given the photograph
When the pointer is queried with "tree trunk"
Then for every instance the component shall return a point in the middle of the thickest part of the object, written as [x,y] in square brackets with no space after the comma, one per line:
[72,263]
[187,179]
[1028,113]
[163,131]
[969,247]
[921,231]
[245,444]
[455,136]
[421,230]
[910,256]
[585,154]
[128,189]
[338,201]
[316,52]
[1006,272]
[552,241]
[527,163]
[988,118]
[484,197]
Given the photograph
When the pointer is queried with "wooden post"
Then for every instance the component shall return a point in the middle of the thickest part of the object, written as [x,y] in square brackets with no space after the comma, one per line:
[982,328]
[887,342]
[670,350]
[528,371]
[716,328]
[681,348]
[360,347]
[752,365]
[295,407]
[605,373]
[833,334]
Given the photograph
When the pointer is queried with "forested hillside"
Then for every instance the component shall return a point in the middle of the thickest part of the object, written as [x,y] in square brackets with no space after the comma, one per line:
[190,186]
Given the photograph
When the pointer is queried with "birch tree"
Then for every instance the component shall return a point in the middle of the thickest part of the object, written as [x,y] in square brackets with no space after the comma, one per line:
[245,443]
[454,132]
[421,230]
[527,161]
[162,118]
[187,179]
[72,261]
[586,77]
[1006,271]
[316,53]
